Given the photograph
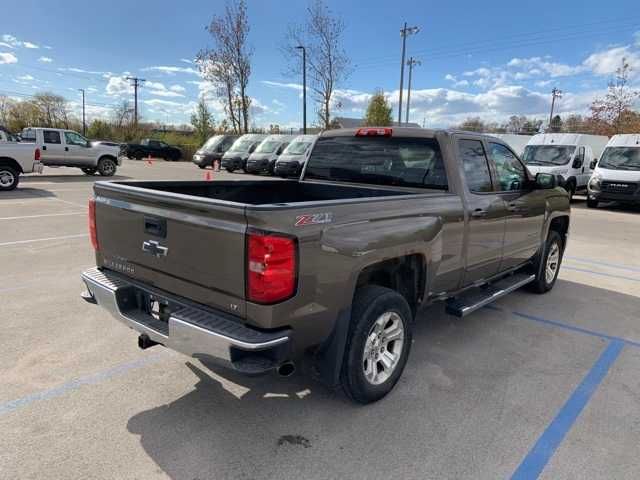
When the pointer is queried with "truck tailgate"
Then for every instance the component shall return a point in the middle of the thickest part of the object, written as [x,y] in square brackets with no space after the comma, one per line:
[188,246]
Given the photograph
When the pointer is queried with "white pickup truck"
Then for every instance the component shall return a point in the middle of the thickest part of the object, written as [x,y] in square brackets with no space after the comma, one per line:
[66,148]
[15,159]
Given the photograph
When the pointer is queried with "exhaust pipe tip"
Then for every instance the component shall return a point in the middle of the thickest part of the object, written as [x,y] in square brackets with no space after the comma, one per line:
[286,369]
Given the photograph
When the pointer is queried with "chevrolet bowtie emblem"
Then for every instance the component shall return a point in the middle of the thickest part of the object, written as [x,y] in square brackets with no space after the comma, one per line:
[154,248]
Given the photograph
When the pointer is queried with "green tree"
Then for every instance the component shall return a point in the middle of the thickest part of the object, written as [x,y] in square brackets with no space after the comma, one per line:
[99,129]
[202,121]
[378,112]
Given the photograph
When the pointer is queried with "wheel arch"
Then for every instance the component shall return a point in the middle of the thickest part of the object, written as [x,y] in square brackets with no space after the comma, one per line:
[10,162]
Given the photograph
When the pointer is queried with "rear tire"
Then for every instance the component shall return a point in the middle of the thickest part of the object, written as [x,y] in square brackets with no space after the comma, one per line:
[138,155]
[592,203]
[378,343]
[9,178]
[202,167]
[229,169]
[571,190]
[107,167]
[548,264]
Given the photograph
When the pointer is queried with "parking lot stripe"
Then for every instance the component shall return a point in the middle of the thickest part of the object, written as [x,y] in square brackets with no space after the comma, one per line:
[538,457]
[33,240]
[43,215]
[584,270]
[60,390]
[604,264]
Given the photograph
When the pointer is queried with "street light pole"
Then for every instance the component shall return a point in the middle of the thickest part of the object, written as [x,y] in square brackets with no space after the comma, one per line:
[411,62]
[403,33]
[84,123]
[304,88]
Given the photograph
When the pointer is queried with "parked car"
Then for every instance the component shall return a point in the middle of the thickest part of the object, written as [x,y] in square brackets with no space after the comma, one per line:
[16,159]
[213,150]
[66,148]
[292,160]
[566,154]
[236,157]
[263,159]
[617,174]
[515,141]
[150,147]
[382,222]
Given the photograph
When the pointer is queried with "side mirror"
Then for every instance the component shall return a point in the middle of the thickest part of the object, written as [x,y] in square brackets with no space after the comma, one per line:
[577,163]
[546,181]
[593,164]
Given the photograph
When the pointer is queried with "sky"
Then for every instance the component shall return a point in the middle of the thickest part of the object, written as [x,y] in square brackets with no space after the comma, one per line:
[481,59]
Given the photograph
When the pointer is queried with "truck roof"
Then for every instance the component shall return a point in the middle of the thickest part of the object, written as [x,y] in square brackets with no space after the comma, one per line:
[625,140]
[395,131]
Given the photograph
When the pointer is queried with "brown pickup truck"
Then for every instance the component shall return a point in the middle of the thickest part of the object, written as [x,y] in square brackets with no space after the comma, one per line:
[254,274]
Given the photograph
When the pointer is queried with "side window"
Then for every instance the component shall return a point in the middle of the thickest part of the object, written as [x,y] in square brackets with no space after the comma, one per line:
[51,136]
[511,172]
[153,144]
[72,138]
[476,167]
[579,161]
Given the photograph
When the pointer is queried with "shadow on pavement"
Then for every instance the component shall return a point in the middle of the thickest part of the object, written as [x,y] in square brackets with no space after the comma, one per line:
[71,178]
[22,193]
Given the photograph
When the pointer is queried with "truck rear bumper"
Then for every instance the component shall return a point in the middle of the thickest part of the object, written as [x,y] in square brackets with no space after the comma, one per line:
[194,331]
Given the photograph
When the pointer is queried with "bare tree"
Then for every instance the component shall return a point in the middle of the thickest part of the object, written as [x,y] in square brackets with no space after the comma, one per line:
[327,62]
[615,108]
[228,64]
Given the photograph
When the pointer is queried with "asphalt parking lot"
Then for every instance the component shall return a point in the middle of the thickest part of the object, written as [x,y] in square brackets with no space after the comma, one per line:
[532,387]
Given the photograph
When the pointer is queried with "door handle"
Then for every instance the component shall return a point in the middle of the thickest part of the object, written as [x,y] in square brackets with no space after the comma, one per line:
[479,213]
[44,147]
[66,149]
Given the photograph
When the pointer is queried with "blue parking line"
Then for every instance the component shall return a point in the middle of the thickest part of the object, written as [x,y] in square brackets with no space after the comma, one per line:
[93,379]
[604,264]
[566,326]
[593,272]
[539,456]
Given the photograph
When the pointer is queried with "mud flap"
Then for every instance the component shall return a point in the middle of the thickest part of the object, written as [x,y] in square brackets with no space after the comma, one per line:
[329,356]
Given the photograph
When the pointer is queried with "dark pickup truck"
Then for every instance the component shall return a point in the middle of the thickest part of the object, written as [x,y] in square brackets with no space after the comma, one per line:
[149,147]
[335,265]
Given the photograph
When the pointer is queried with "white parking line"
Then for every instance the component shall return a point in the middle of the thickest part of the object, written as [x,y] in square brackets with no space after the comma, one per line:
[64,237]
[43,215]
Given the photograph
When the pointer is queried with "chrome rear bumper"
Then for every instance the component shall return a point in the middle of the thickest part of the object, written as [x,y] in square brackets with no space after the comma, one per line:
[189,329]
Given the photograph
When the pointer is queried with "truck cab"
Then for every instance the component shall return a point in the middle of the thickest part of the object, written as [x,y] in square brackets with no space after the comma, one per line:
[566,154]
[616,176]
[66,148]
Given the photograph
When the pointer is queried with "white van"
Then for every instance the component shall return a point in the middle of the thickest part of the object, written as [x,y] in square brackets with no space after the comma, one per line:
[294,157]
[263,158]
[567,154]
[515,141]
[617,174]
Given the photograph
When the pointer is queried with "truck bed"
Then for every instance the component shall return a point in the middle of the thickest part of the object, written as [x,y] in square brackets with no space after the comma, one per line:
[267,192]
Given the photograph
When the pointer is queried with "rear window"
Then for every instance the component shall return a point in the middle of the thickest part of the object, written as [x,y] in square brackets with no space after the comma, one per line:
[51,136]
[406,162]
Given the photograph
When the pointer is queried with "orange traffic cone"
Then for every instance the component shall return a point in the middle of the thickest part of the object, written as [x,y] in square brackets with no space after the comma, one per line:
[149,161]
[208,176]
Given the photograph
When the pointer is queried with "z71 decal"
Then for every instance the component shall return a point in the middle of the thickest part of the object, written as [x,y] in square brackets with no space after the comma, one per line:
[313,219]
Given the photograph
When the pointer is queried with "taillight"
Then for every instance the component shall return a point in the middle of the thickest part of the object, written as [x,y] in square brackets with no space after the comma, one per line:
[93,232]
[271,267]
[36,154]
[374,132]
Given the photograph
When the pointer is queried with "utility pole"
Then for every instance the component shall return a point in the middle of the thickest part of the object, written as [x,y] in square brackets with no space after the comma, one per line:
[304,88]
[403,33]
[136,82]
[84,123]
[411,62]
[555,93]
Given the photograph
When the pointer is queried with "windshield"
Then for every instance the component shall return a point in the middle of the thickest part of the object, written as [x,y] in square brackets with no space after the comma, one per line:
[408,162]
[241,146]
[548,154]
[620,158]
[297,148]
[268,147]
[212,143]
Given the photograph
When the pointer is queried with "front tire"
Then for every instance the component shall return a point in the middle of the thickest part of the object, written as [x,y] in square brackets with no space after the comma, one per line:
[9,178]
[107,167]
[378,343]
[592,203]
[548,265]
